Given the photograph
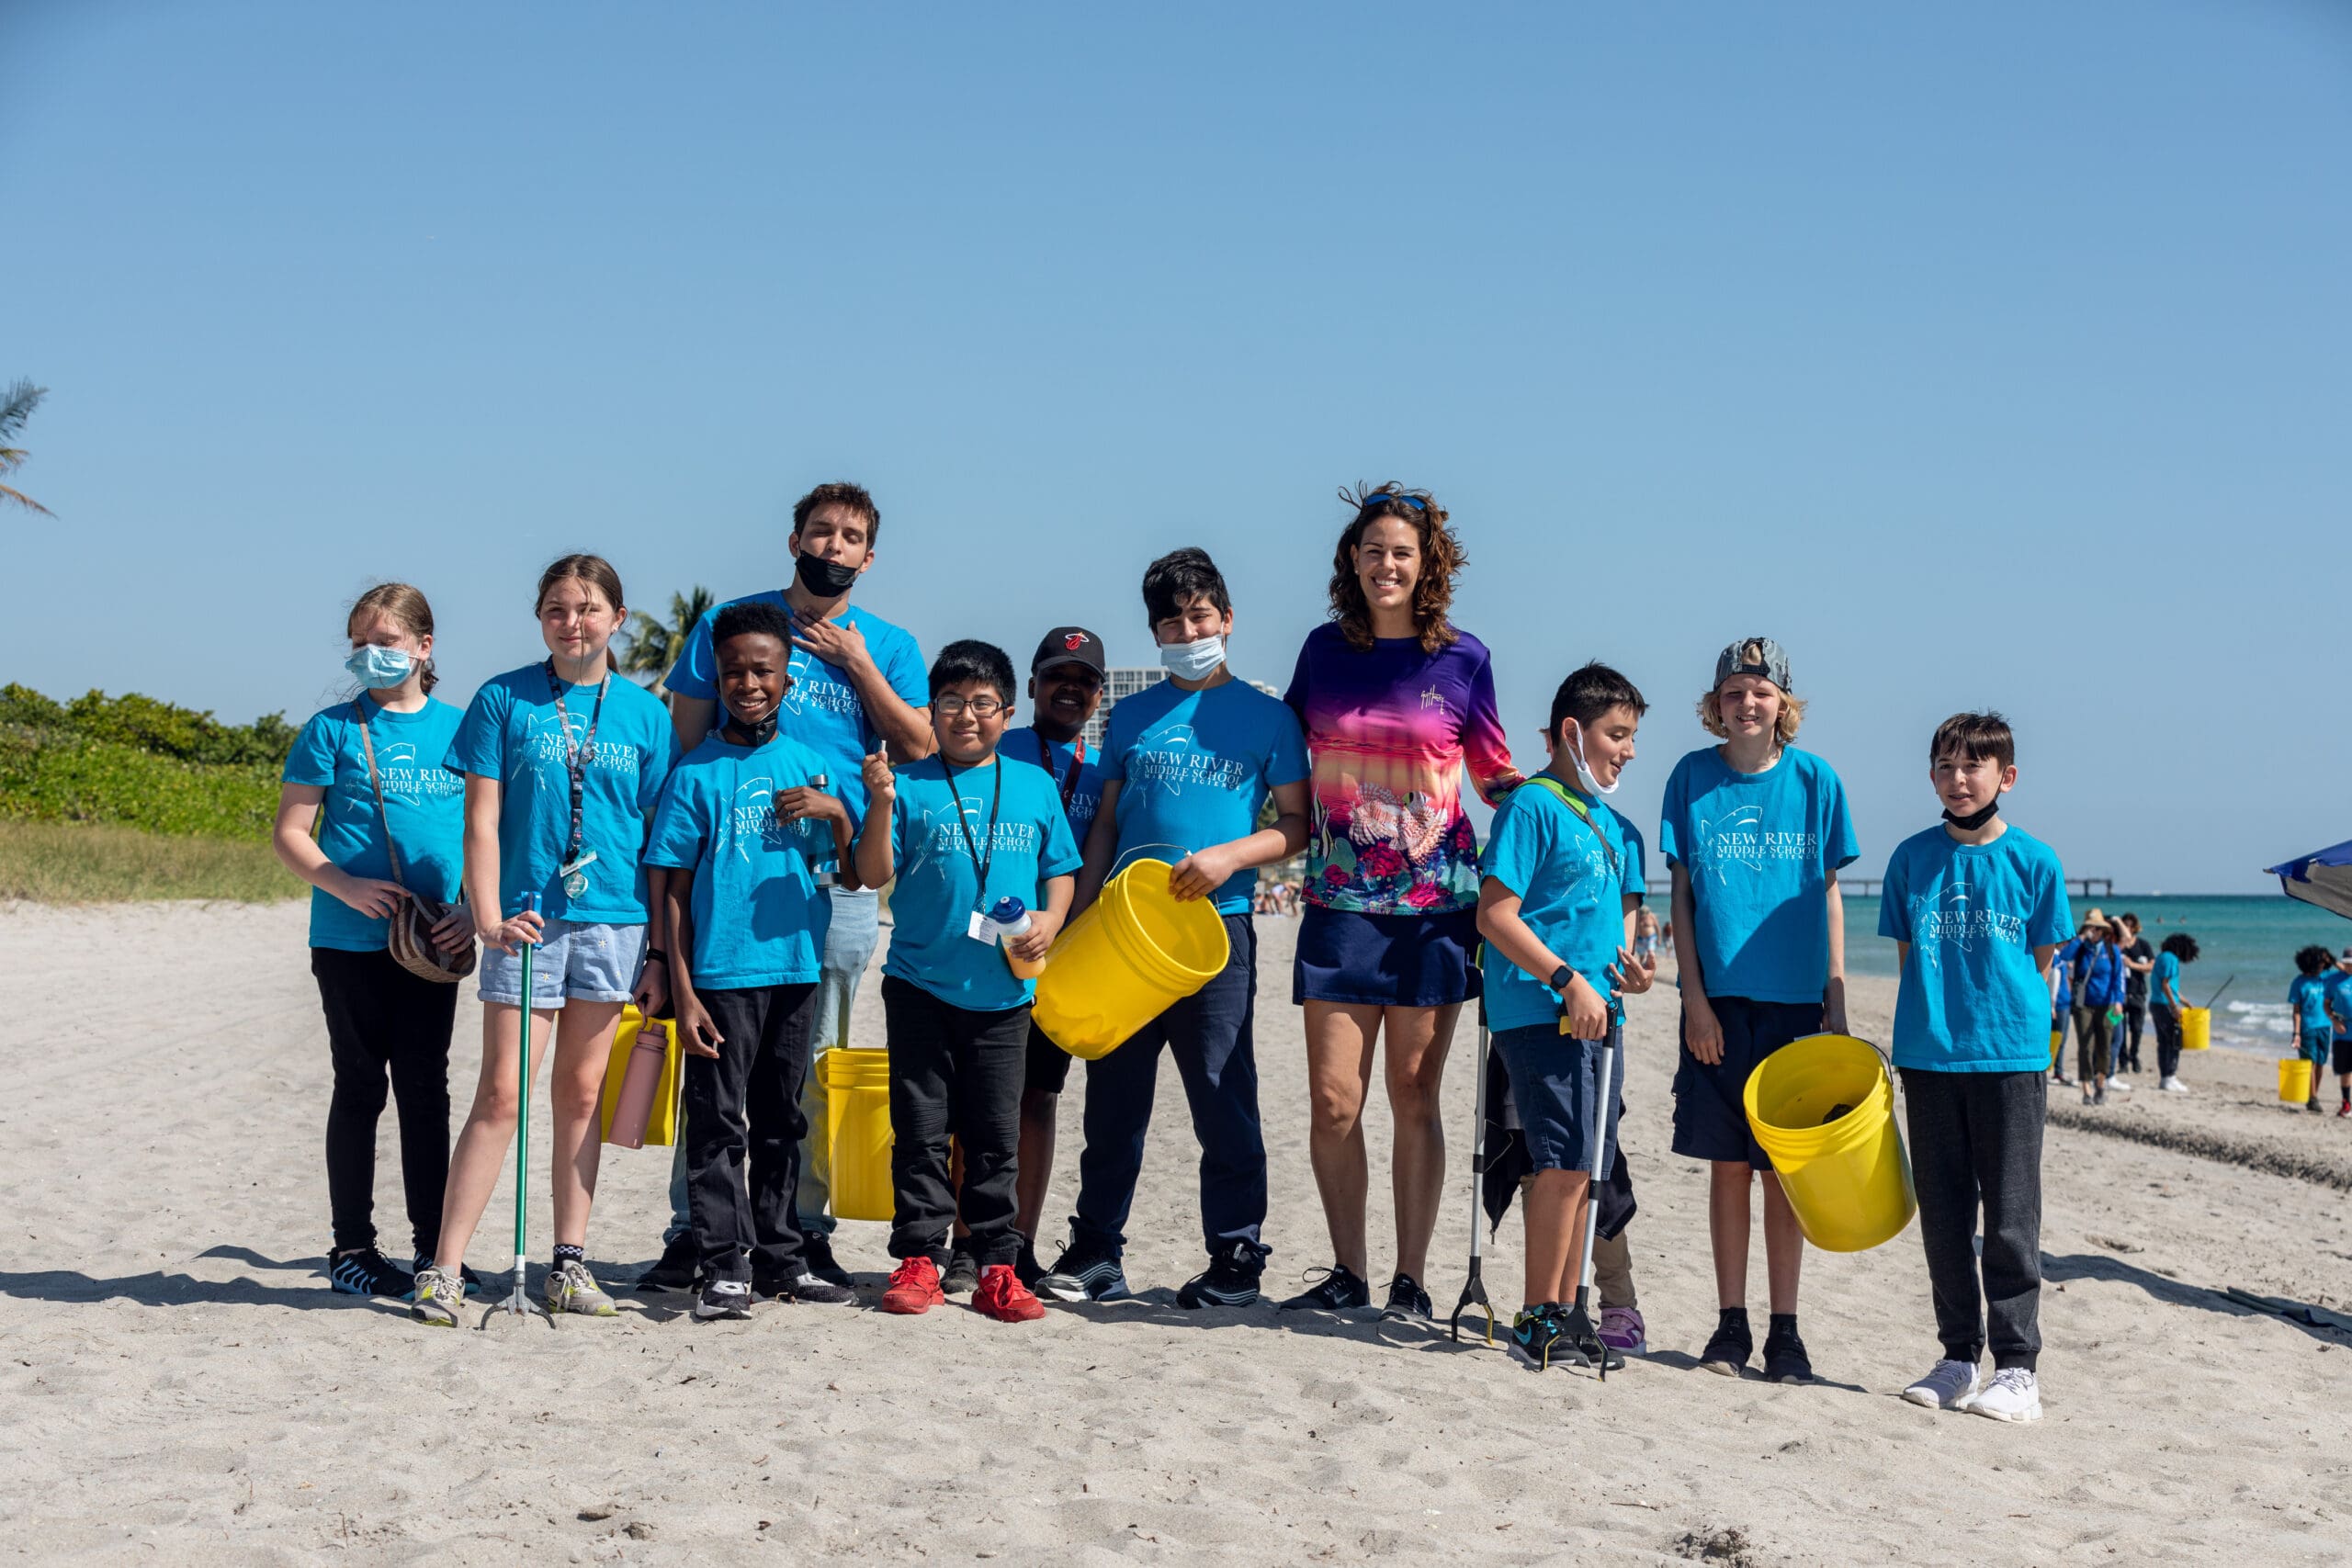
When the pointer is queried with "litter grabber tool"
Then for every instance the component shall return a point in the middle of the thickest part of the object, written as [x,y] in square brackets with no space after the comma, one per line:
[519,1301]
[1474,1289]
[1578,1329]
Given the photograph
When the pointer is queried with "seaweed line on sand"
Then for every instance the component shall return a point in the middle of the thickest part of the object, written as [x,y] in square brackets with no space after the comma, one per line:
[2245,1152]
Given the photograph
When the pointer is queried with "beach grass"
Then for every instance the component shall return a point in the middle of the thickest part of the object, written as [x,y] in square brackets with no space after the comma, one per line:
[77,863]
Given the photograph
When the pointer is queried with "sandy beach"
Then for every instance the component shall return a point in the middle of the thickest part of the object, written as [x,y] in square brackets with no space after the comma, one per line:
[181,1385]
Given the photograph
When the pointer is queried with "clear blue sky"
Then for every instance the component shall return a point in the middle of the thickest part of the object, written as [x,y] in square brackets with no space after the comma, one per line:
[1988,355]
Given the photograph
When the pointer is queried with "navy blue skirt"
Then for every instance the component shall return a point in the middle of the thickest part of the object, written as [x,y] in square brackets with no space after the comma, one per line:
[1398,960]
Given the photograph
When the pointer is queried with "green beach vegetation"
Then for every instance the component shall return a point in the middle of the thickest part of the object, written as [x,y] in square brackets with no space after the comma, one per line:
[128,797]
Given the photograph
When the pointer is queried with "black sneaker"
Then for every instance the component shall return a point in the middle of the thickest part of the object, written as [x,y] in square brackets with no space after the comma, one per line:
[1784,1356]
[1580,1342]
[1230,1279]
[1407,1298]
[802,1286]
[423,1261]
[817,1255]
[723,1298]
[677,1269]
[962,1275]
[1337,1291]
[363,1271]
[1535,1337]
[1728,1351]
[1026,1268]
[1084,1274]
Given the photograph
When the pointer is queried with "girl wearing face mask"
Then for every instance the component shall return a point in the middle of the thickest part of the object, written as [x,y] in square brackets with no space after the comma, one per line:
[1396,702]
[563,763]
[382,1021]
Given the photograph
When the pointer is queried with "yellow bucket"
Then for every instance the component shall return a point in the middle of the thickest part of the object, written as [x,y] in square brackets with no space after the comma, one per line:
[1849,1180]
[661,1127]
[1134,953]
[857,1130]
[2294,1080]
[2195,1028]
[2057,1043]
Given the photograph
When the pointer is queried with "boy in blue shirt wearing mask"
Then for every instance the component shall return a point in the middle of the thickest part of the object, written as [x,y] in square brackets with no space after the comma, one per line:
[742,827]
[1186,767]
[963,830]
[1561,881]
[1754,831]
[1977,909]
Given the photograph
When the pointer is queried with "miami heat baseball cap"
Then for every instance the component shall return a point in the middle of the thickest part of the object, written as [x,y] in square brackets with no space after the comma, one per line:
[1068,645]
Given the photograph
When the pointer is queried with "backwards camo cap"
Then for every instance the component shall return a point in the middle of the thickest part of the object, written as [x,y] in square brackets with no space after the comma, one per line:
[1772,664]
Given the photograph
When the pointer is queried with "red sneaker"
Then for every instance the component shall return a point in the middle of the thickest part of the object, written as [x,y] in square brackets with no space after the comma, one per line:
[914,1287]
[1003,1297]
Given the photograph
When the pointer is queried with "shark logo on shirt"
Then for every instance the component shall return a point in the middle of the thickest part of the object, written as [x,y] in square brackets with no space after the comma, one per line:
[1174,759]
[403,779]
[751,818]
[1741,841]
[1956,916]
[552,741]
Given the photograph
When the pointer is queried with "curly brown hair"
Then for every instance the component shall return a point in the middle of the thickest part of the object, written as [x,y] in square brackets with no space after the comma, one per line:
[1442,559]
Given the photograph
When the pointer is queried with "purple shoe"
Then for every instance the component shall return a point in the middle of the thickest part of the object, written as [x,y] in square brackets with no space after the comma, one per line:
[1622,1329]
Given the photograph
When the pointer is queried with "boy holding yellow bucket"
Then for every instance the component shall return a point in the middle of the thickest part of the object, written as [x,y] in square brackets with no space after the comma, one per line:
[964,831]
[1977,909]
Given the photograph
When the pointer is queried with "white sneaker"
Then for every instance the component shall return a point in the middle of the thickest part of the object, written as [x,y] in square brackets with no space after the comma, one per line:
[2117,1081]
[2014,1394]
[2174,1085]
[1948,1386]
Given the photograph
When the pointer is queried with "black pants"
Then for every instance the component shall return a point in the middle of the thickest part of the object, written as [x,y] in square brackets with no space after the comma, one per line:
[2167,1023]
[384,1022]
[1976,1143]
[743,1130]
[2127,1043]
[952,1073]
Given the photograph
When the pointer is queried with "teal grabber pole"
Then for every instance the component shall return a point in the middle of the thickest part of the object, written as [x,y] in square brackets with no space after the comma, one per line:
[519,1301]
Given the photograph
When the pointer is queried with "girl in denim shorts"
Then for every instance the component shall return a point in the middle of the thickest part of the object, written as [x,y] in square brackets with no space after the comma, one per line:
[563,766]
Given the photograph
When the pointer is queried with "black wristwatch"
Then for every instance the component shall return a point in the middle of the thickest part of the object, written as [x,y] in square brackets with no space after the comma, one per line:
[1562,979]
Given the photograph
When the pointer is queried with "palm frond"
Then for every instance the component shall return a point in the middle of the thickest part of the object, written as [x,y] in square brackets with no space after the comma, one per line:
[21,499]
[17,406]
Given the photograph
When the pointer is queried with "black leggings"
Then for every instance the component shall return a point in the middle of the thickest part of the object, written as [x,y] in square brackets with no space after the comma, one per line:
[2167,1023]
[384,1021]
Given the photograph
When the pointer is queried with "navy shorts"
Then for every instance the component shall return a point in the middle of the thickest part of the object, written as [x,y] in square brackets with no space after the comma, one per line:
[1048,1063]
[1396,961]
[1710,1103]
[1556,1086]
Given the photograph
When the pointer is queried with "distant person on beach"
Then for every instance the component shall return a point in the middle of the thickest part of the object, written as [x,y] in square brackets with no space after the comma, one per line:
[2139,961]
[371,768]
[857,686]
[2307,996]
[2096,979]
[2062,996]
[1186,768]
[2339,1012]
[1646,939]
[564,767]
[1754,832]
[1397,704]
[2164,1004]
[1976,908]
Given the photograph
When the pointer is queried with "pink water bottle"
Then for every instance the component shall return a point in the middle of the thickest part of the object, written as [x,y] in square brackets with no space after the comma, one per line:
[640,1081]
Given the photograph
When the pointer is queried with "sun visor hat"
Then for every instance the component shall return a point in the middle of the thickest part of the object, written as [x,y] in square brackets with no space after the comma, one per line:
[1774,664]
[1068,645]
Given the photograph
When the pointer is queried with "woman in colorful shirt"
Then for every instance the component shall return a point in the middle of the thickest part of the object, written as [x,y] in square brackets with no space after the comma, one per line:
[1396,702]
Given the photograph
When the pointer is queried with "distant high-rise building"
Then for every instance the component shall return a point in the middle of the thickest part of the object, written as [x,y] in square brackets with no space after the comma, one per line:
[1126,680]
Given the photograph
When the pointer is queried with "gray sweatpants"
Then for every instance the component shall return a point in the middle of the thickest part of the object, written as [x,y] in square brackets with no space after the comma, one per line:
[1976,1144]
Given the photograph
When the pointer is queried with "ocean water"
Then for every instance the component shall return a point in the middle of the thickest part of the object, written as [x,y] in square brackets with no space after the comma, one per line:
[2247,942]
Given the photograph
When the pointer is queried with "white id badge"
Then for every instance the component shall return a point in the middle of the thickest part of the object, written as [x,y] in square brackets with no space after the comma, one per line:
[575,875]
[981,930]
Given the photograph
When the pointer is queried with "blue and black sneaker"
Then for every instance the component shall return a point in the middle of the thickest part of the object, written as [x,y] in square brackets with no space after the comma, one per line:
[1535,1336]
[1085,1274]
[1230,1279]
[1581,1341]
[363,1271]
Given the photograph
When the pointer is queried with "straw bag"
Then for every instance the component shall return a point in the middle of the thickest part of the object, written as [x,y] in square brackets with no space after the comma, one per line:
[411,945]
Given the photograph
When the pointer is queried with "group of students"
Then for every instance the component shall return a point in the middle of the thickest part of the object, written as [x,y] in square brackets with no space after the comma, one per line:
[2320,996]
[2109,983]
[716,861]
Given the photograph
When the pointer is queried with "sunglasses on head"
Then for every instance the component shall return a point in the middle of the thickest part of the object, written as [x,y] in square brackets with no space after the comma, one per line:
[1376,496]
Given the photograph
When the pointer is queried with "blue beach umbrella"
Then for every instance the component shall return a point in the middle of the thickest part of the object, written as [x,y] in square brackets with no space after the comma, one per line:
[2323,877]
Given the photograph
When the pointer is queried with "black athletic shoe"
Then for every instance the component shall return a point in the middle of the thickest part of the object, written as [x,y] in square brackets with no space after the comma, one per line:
[676,1269]
[363,1271]
[1026,1268]
[1581,1342]
[1230,1279]
[423,1261]
[802,1286]
[962,1275]
[1083,1274]
[817,1254]
[1784,1356]
[1337,1291]
[723,1298]
[1535,1338]
[1728,1351]
[1407,1298]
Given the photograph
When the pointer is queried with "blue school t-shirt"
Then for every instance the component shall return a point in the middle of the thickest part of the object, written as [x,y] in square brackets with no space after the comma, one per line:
[1081,792]
[760,918]
[2163,982]
[1761,850]
[1571,875]
[511,733]
[938,888]
[2337,989]
[1193,768]
[1972,999]
[823,710]
[425,802]
[2061,963]
[2307,994]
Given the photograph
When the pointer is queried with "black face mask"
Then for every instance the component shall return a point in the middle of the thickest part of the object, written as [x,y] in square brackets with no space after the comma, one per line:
[1975,820]
[825,579]
[755,735]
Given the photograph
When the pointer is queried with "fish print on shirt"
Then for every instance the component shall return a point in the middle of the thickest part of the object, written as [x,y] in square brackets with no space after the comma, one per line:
[1740,842]
[1956,917]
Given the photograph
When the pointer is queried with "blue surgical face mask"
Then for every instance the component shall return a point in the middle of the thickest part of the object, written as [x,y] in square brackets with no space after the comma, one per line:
[376,668]
[1193,661]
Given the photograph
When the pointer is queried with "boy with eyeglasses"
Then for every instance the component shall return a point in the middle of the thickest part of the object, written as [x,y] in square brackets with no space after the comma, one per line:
[963,830]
